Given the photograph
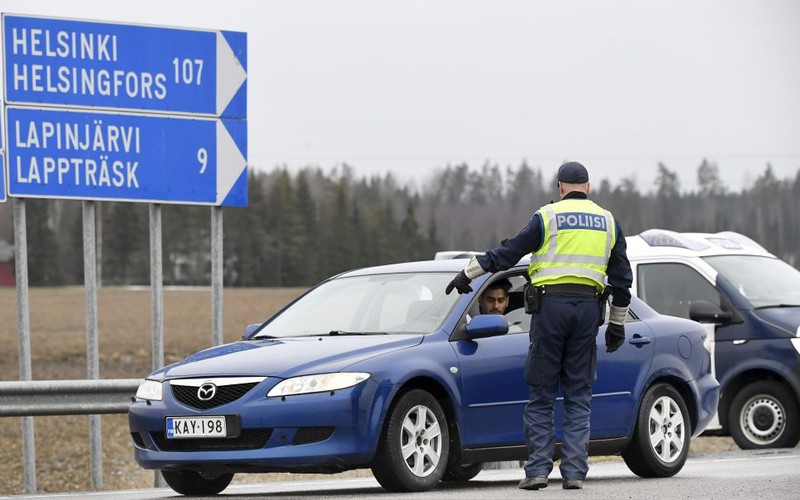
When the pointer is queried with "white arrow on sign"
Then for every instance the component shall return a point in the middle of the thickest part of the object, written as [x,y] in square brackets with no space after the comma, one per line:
[230,73]
[230,162]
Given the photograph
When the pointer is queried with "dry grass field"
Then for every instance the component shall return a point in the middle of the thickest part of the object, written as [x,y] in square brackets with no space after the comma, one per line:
[58,352]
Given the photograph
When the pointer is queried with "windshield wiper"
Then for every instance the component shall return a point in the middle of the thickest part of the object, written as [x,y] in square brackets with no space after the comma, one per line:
[777,305]
[342,332]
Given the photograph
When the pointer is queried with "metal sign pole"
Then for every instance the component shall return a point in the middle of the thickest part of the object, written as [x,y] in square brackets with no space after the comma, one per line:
[156,287]
[24,336]
[156,301]
[216,276]
[92,347]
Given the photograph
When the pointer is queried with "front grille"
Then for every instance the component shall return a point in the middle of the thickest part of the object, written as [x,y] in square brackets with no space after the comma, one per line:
[187,395]
[249,439]
[306,435]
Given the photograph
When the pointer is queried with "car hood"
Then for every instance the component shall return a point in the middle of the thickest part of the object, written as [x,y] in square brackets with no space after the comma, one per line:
[285,357]
[786,318]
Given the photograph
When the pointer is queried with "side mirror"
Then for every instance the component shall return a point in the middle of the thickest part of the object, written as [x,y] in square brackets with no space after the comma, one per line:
[704,311]
[487,325]
[250,330]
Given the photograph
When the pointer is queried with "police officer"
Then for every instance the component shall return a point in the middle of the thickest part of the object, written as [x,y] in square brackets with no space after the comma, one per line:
[575,246]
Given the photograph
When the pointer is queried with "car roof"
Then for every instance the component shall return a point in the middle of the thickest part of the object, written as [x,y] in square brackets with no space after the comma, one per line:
[662,242]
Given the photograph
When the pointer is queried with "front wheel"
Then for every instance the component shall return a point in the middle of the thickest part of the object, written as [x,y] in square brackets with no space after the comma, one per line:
[660,442]
[188,482]
[764,415]
[412,454]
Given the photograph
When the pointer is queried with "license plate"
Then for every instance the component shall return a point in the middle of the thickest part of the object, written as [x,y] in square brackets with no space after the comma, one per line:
[193,427]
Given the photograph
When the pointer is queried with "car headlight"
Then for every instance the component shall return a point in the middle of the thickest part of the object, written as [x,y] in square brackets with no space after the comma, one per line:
[316,383]
[150,389]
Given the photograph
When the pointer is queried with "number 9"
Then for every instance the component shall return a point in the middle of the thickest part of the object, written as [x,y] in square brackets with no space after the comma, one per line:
[202,157]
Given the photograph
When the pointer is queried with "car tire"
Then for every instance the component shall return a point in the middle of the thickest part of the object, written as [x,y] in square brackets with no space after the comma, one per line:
[661,437]
[414,446]
[462,472]
[188,482]
[764,415]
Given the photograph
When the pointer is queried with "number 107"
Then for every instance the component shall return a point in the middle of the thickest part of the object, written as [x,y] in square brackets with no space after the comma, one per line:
[188,71]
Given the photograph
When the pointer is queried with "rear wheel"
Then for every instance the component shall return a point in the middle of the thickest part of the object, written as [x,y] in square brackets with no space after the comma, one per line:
[661,438]
[188,482]
[412,454]
[462,472]
[764,415]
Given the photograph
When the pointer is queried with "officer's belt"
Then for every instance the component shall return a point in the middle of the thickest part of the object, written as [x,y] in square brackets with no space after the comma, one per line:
[567,289]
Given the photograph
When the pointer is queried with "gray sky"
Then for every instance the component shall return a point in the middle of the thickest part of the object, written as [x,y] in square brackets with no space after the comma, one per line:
[408,86]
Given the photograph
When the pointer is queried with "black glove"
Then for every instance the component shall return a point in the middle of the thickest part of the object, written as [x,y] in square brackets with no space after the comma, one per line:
[615,336]
[460,283]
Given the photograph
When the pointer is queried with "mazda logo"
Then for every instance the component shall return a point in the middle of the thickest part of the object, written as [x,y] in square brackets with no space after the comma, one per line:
[206,391]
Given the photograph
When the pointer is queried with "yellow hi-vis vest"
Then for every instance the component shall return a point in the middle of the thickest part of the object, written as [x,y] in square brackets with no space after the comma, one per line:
[578,238]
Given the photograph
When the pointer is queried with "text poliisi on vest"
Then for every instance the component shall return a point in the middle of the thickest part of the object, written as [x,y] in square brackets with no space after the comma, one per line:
[580,220]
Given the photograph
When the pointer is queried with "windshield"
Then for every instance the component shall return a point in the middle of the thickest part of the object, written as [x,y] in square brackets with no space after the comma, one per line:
[763,281]
[384,303]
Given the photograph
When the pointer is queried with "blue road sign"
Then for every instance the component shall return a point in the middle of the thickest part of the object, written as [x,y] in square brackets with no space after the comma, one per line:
[63,62]
[60,153]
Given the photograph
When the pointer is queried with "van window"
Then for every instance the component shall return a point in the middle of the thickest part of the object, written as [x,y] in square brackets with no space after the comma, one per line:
[671,288]
[763,281]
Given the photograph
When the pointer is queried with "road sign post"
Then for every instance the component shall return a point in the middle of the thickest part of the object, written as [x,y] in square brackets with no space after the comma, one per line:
[2,178]
[2,167]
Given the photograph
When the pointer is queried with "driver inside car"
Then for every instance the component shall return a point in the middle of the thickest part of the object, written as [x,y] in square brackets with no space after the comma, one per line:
[494,300]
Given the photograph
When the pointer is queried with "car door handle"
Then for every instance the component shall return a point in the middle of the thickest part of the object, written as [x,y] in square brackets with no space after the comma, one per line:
[639,341]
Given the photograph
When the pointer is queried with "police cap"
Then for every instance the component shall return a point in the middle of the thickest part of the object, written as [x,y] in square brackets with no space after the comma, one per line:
[573,172]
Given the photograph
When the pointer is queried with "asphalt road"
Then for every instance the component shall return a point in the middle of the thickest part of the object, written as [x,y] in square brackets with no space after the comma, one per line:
[770,474]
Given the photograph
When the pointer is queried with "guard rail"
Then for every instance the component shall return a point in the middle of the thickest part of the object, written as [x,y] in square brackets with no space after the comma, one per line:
[66,397]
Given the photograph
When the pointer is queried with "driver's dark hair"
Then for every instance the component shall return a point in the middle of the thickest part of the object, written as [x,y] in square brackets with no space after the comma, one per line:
[502,283]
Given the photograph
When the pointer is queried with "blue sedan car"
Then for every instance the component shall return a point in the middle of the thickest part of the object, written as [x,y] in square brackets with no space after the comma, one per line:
[378,368]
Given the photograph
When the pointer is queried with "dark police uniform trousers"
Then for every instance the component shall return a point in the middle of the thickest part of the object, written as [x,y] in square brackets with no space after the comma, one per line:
[562,351]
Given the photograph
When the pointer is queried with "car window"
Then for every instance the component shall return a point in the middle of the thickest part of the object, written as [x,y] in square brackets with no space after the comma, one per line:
[518,320]
[385,303]
[670,288]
